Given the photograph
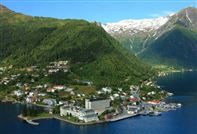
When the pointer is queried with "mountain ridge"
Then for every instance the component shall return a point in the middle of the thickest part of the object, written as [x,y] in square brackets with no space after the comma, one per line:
[142,41]
[93,54]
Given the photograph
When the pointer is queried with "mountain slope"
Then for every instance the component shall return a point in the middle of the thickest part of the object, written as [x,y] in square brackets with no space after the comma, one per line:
[176,42]
[173,42]
[93,54]
[135,35]
[177,47]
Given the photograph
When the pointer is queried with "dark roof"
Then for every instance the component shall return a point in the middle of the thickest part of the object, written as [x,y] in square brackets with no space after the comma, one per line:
[97,99]
[90,115]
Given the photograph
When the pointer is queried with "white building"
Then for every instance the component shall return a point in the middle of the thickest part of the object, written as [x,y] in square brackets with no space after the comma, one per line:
[86,115]
[29,99]
[116,95]
[18,93]
[133,109]
[50,102]
[68,89]
[51,90]
[120,89]
[42,94]
[63,103]
[31,94]
[107,90]
[53,70]
[111,97]
[97,104]
[59,87]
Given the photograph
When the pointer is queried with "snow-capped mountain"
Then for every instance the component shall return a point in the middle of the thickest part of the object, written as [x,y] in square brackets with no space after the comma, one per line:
[136,33]
[169,40]
[135,26]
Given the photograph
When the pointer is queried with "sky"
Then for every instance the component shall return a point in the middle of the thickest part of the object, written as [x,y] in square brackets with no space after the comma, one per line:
[98,10]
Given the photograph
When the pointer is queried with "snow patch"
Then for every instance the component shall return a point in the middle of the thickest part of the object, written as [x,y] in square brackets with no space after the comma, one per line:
[135,25]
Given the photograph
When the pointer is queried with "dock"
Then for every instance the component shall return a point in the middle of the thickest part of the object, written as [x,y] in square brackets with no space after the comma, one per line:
[32,123]
[121,117]
[27,120]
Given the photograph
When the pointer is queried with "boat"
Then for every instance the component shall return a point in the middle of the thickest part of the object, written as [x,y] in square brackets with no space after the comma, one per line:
[155,113]
[178,105]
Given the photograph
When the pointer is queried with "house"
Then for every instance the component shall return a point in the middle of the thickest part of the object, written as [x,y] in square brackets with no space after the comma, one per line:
[154,102]
[72,93]
[111,97]
[134,88]
[79,95]
[26,87]
[56,88]
[50,71]
[2,69]
[29,99]
[89,83]
[18,93]
[31,94]
[116,95]
[99,92]
[148,83]
[42,94]
[151,93]
[133,109]
[133,99]
[45,85]
[63,103]
[122,97]
[107,90]
[39,86]
[19,84]
[120,89]
[57,66]
[51,90]
[68,89]
[83,95]
[50,102]
[59,87]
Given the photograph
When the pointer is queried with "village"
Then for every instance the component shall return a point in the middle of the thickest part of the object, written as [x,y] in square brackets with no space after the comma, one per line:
[82,103]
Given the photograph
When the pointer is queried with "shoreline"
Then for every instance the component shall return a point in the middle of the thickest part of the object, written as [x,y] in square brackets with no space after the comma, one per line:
[58,117]
[28,120]
[78,123]
[32,121]
[163,73]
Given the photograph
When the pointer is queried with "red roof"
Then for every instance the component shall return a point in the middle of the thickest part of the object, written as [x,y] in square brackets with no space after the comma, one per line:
[133,99]
[154,101]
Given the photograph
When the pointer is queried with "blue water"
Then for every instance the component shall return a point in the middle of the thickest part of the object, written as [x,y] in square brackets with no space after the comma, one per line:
[181,121]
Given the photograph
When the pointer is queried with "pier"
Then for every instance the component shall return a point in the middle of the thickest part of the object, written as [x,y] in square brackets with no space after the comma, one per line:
[121,117]
[27,120]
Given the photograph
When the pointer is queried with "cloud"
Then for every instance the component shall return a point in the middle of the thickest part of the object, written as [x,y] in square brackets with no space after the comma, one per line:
[162,13]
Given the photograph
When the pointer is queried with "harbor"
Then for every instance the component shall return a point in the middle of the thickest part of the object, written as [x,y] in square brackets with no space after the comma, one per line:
[163,107]
[135,124]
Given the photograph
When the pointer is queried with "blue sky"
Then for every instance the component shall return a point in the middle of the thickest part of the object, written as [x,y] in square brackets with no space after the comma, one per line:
[98,10]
